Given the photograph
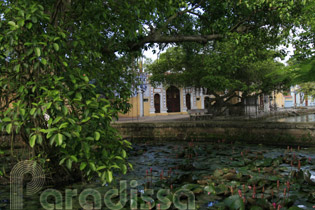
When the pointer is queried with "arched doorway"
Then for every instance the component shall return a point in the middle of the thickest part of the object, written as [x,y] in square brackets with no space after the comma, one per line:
[173,100]
[188,104]
[157,103]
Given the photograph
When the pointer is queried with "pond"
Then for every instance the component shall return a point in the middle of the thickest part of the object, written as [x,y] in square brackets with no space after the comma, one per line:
[300,118]
[219,176]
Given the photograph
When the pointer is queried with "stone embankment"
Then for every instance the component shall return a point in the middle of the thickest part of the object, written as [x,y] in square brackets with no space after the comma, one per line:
[257,131]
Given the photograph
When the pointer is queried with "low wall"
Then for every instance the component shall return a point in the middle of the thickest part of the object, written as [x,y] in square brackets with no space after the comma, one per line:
[253,132]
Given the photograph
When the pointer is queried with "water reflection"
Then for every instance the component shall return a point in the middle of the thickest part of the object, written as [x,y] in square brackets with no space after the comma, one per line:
[302,118]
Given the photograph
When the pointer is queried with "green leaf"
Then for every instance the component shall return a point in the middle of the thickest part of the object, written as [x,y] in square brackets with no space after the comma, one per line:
[210,188]
[76,134]
[67,134]
[65,64]
[39,138]
[78,96]
[29,25]
[37,51]
[86,148]
[235,202]
[63,125]
[52,139]
[89,138]
[86,79]
[17,68]
[62,34]
[21,13]
[62,161]
[124,154]
[56,46]
[20,23]
[82,166]
[32,111]
[49,122]
[59,139]
[74,158]
[6,119]
[57,119]
[130,165]
[29,52]
[92,166]
[11,23]
[100,168]
[32,140]
[43,61]
[69,164]
[119,158]
[36,65]
[97,135]
[72,121]
[48,105]
[65,110]
[34,19]
[109,176]
[22,112]
[85,120]
[114,166]
[124,168]
[9,128]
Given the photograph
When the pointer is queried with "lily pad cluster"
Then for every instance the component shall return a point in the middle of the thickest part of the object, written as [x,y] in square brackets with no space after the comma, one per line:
[234,176]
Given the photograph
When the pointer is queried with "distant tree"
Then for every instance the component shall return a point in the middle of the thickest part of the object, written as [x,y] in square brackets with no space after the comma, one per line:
[226,70]
[307,88]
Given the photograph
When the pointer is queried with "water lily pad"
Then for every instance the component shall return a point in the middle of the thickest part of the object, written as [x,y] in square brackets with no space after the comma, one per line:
[218,173]
[264,162]
[190,186]
[234,202]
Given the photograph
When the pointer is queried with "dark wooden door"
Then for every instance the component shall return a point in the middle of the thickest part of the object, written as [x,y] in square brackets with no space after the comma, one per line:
[188,105]
[173,100]
[157,103]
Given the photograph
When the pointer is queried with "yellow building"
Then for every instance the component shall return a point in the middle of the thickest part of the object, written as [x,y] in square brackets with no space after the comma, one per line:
[153,101]
[169,100]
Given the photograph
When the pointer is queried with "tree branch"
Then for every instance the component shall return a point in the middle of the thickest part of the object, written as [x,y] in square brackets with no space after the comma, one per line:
[181,38]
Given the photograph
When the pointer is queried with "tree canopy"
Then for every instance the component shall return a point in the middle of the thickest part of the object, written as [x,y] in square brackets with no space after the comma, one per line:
[73,61]
[225,70]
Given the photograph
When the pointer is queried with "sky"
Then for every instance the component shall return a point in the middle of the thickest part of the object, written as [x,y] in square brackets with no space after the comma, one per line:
[149,53]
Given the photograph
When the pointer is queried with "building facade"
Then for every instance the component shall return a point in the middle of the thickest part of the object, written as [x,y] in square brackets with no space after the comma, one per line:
[148,100]
[162,100]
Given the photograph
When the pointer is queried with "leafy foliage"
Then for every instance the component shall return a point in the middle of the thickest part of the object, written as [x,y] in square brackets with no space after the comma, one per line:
[307,88]
[222,69]
[48,96]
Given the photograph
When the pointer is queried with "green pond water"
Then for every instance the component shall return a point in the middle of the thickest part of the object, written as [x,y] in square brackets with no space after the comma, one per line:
[220,176]
[300,118]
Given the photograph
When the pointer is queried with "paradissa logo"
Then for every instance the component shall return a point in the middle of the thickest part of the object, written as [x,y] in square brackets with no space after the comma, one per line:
[113,199]
[116,200]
